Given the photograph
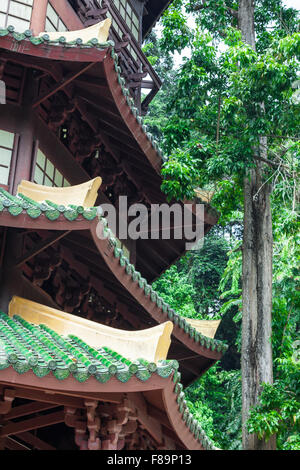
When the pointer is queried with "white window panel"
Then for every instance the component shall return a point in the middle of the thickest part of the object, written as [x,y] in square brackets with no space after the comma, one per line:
[38,175]
[28,2]
[20,25]
[6,139]
[135,20]
[5,156]
[48,182]
[52,15]
[61,26]
[2,20]
[49,27]
[19,10]
[58,180]
[40,159]
[50,169]
[4,5]
[4,174]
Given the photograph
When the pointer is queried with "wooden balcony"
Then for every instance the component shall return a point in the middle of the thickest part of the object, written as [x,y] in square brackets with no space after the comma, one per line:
[136,69]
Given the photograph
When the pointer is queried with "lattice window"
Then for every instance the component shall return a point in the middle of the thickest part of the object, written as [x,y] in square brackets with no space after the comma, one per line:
[6,149]
[53,20]
[130,17]
[16,13]
[46,173]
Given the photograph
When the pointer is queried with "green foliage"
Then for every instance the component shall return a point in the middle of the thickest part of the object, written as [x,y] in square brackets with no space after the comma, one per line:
[175,289]
[215,399]
[190,286]
[209,119]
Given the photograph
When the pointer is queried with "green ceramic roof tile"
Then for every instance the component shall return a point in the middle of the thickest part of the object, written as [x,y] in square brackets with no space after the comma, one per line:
[26,346]
[93,43]
[45,39]
[19,204]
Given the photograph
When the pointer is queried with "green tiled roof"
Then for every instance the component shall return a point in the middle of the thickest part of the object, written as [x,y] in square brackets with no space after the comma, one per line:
[25,346]
[93,43]
[16,205]
[45,39]
[19,204]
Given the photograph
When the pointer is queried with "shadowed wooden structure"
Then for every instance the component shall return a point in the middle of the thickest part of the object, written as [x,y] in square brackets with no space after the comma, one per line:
[72,139]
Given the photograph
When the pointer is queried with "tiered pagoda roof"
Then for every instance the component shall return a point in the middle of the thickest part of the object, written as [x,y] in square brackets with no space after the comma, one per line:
[61,368]
[51,253]
[107,264]
[88,74]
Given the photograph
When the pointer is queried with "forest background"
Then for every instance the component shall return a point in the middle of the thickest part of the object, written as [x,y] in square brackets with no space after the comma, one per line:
[206,117]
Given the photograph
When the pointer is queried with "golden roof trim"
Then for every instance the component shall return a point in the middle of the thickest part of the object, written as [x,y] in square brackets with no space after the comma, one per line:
[84,194]
[151,344]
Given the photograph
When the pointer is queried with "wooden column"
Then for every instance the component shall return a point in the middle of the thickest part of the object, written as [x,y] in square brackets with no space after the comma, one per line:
[38,17]
[26,146]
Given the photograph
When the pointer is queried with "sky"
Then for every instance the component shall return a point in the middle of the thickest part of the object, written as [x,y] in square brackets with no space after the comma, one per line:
[178,57]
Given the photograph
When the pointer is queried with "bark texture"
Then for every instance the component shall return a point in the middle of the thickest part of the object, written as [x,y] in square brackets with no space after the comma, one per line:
[256,359]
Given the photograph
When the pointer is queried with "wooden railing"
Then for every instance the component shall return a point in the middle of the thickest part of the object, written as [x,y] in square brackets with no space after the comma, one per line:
[136,69]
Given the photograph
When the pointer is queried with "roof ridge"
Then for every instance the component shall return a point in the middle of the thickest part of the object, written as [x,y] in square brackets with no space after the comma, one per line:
[25,346]
[20,203]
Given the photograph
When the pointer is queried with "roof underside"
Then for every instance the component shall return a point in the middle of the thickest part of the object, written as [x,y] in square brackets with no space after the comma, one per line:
[108,270]
[155,8]
[36,356]
[91,74]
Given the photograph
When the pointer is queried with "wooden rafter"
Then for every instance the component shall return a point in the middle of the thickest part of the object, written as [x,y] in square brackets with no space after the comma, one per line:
[62,84]
[38,248]
[34,441]
[28,409]
[12,444]
[33,423]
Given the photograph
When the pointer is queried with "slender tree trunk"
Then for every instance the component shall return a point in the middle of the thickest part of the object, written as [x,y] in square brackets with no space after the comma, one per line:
[256,358]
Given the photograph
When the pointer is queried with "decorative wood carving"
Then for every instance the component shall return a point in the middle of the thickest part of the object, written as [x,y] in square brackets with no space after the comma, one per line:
[59,113]
[44,265]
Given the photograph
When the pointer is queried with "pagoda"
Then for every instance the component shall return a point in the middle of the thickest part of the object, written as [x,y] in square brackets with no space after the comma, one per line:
[91,357]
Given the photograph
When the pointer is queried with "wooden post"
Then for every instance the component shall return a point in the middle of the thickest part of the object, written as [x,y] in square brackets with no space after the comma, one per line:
[26,147]
[38,17]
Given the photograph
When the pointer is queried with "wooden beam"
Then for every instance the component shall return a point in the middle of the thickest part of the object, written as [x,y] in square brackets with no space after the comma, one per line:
[152,426]
[158,415]
[72,399]
[38,248]
[12,444]
[32,423]
[55,70]
[35,441]
[53,398]
[65,81]
[89,82]
[28,409]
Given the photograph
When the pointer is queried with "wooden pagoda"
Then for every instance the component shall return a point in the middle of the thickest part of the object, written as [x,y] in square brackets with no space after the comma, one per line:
[90,356]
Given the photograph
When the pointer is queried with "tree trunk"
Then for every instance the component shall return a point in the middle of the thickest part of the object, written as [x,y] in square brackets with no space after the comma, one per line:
[256,358]
[256,355]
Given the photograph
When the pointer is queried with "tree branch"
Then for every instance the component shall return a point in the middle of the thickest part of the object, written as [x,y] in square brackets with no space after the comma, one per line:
[204,5]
